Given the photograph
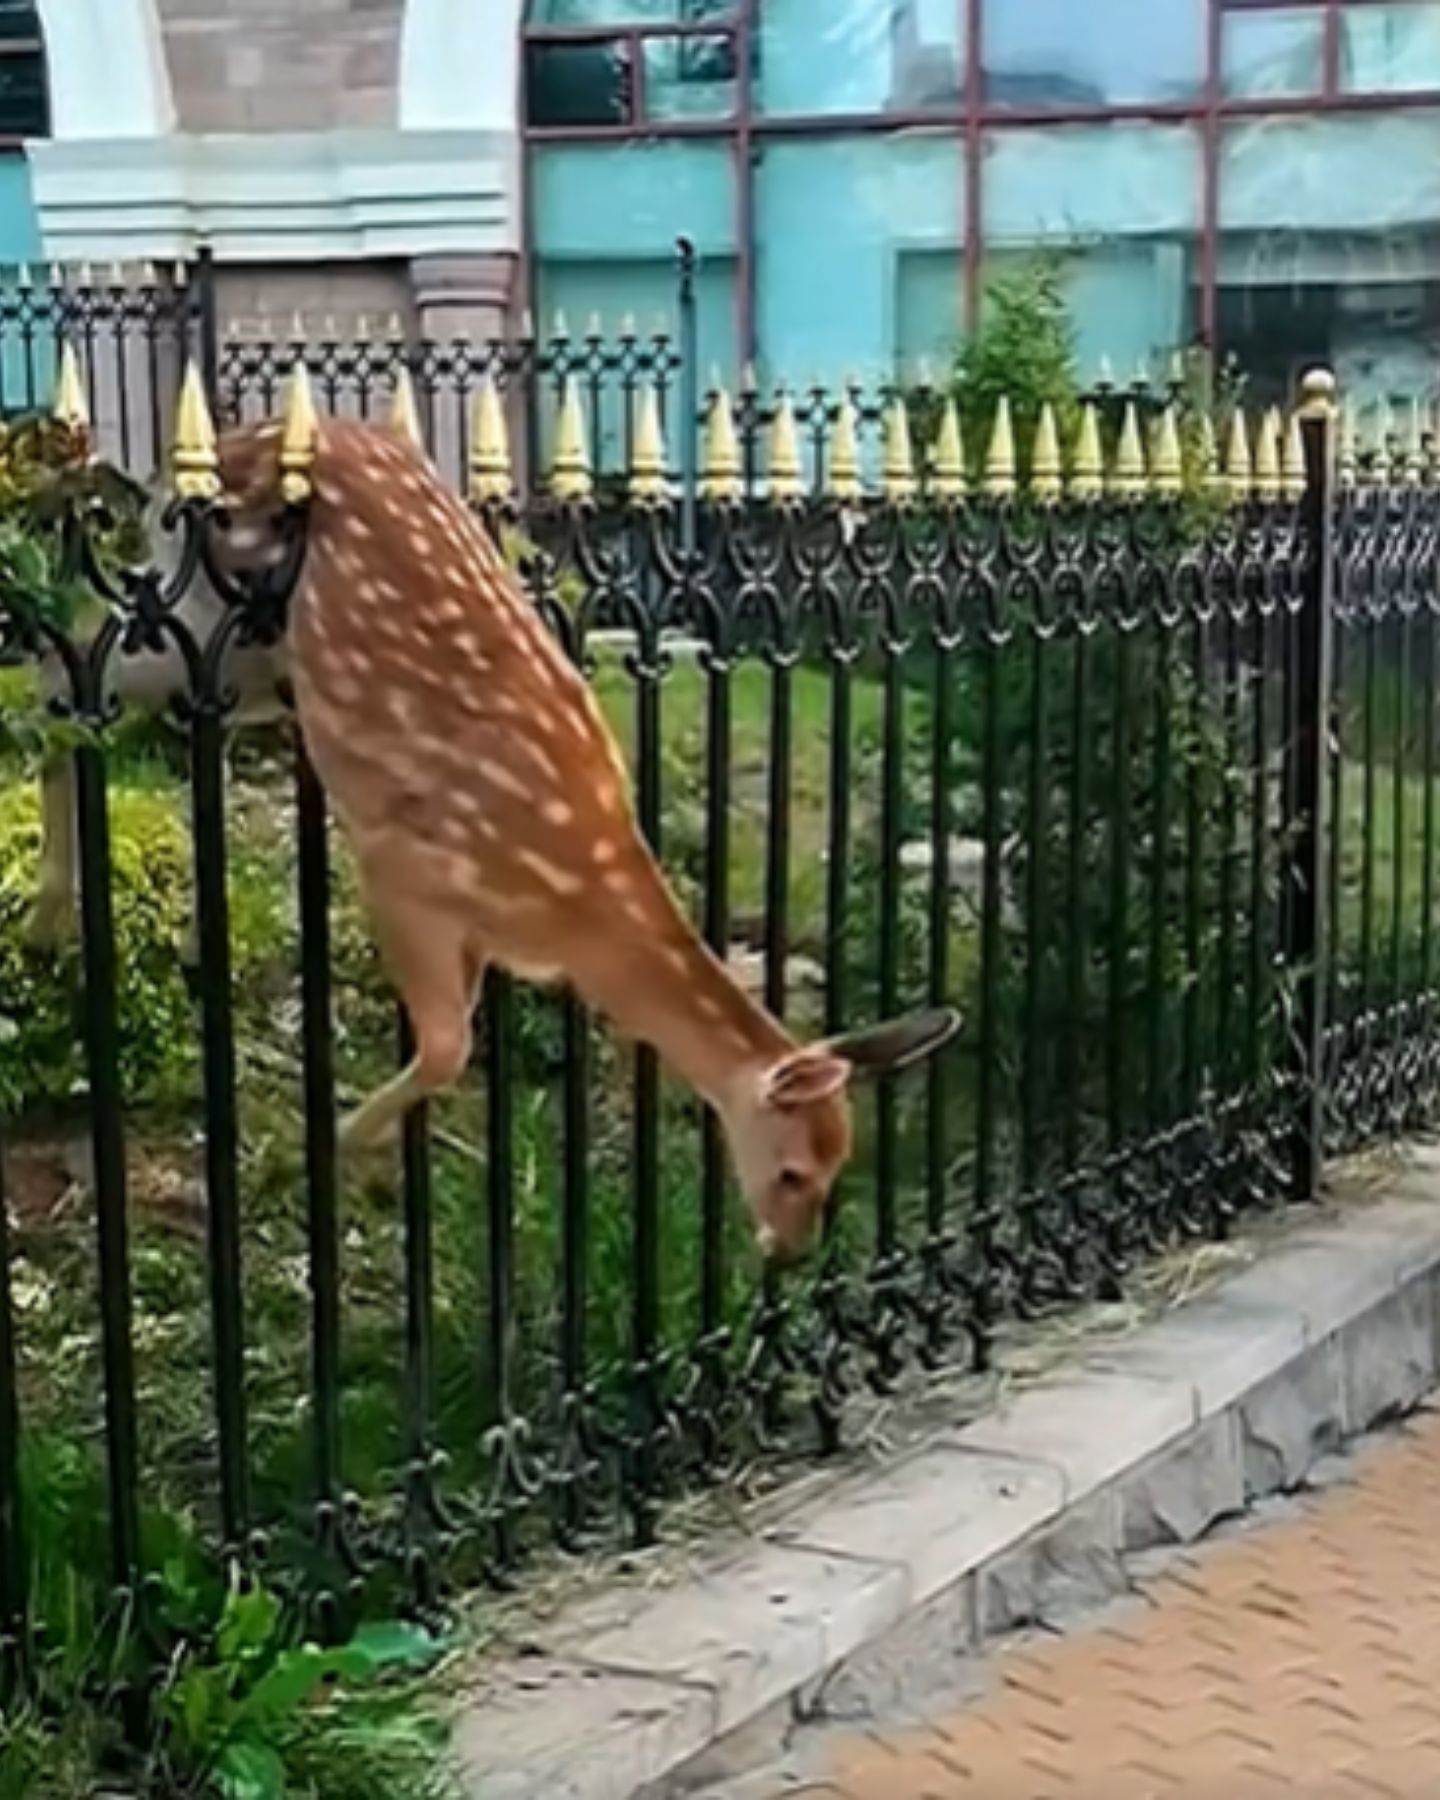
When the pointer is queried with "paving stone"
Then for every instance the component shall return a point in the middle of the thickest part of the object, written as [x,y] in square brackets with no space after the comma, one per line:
[538,1729]
[756,1629]
[936,1515]
[1090,1425]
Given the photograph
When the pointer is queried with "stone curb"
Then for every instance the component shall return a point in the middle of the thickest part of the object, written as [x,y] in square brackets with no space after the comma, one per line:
[984,1528]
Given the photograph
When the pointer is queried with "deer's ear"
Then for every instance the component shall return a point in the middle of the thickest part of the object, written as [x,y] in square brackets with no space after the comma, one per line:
[886,1049]
[805,1077]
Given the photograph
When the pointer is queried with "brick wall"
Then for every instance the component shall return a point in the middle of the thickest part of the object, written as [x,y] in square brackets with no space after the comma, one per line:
[283,65]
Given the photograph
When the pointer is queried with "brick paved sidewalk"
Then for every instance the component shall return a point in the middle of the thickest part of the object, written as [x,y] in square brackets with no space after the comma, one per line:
[1299,1658]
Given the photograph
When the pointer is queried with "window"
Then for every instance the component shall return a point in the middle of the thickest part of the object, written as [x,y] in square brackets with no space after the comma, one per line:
[1389,49]
[1122,203]
[1330,251]
[24,97]
[1280,52]
[583,13]
[606,220]
[859,269]
[859,56]
[1059,53]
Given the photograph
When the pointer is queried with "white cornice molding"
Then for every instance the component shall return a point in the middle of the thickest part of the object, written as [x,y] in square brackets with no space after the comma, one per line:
[278,198]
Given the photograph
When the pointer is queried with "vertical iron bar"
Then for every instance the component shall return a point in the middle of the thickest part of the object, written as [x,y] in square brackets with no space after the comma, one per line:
[1077,946]
[1037,920]
[102,1026]
[419,1281]
[207,319]
[14,1596]
[1305,954]
[645,1315]
[936,1158]
[1195,804]
[500,1208]
[323,1226]
[1259,846]
[1117,1060]
[891,822]
[689,427]
[987,1098]
[1427,853]
[1156,1007]
[837,867]
[717,935]
[221,1132]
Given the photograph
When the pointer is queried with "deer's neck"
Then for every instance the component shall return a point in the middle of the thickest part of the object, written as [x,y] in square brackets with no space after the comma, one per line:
[659,983]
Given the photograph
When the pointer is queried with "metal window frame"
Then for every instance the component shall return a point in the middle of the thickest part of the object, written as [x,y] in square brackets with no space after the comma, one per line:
[972,120]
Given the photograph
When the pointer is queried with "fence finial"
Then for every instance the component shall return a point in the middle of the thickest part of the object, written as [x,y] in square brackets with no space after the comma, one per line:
[1211,472]
[70,406]
[1127,478]
[1167,464]
[1237,458]
[721,469]
[1267,458]
[843,477]
[194,458]
[1414,448]
[404,413]
[1380,460]
[899,473]
[948,482]
[1000,458]
[787,479]
[1087,471]
[299,440]
[1047,473]
[491,478]
[1347,463]
[1293,477]
[648,483]
[570,478]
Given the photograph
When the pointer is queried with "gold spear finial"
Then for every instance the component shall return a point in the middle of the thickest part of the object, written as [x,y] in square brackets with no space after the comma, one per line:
[722,472]
[570,478]
[70,406]
[194,458]
[491,479]
[899,474]
[1237,458]
[1047,472]
[299,440]
[1267,458]
[1000,458]
[1292,462]
[1087,471]
[1127,478]
[948,483]
[1167,467]
[787,479]
[843,477]
[649,485]
[404,413]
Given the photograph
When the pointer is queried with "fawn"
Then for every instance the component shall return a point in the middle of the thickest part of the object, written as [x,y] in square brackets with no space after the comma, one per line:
[489,813]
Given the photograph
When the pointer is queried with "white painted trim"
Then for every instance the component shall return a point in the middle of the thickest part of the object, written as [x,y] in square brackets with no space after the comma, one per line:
[108,75]
[278,197]
[460,65]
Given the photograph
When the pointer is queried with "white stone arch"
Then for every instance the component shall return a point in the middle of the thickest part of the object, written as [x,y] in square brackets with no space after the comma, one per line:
[108,76]
[460,65]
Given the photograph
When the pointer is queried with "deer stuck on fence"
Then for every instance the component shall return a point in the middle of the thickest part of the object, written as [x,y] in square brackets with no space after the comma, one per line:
[488,809]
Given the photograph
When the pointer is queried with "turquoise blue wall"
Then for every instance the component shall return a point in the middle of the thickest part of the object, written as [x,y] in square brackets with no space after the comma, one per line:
[23,380]
[859,237]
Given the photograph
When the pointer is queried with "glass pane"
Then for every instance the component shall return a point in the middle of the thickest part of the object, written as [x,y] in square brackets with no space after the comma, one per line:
[22,96]
[1390,49]
[1123,203]
[690,77]
[630,12]
[1274,52]
[19,21]
[1329,252]
[1041,52]
[859,56]
[578,84]
[860,266]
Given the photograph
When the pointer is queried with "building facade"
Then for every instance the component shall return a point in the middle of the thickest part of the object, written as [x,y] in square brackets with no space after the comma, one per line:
[1259,175]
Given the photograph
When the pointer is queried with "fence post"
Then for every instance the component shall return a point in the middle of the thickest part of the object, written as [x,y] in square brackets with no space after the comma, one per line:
[208,322]
[13,1596]
[1305,928]
[689,389]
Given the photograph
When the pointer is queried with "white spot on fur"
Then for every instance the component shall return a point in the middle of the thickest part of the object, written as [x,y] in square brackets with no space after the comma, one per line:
[559,881]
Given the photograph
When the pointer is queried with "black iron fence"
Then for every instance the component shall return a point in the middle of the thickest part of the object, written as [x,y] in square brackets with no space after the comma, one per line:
[1141,779]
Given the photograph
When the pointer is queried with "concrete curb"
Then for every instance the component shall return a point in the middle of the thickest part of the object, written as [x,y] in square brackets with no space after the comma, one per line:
[984,1528]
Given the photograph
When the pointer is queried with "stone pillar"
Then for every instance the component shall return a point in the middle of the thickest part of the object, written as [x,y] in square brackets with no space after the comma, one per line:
[472,297]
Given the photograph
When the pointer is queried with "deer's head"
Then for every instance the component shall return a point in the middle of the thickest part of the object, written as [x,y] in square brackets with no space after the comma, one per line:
[790,1128]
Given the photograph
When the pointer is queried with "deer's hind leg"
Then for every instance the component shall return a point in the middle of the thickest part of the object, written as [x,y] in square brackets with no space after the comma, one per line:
[437,970]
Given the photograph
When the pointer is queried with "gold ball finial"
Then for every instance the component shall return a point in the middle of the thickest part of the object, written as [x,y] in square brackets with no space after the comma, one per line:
[1317,392]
